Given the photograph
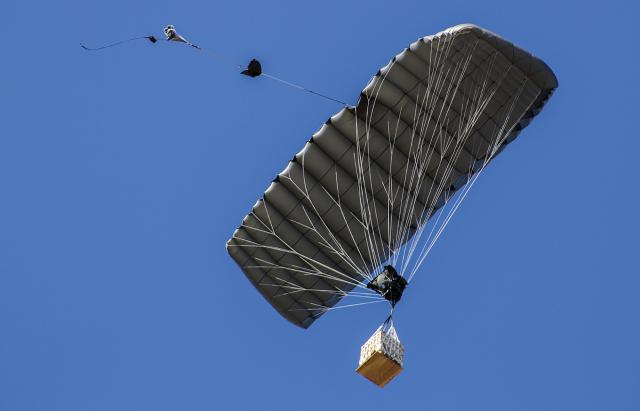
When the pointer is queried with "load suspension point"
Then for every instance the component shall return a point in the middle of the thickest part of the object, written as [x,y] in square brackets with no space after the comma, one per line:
[389,284]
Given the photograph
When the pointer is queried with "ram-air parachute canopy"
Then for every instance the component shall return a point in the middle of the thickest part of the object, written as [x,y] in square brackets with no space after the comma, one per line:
[362,194]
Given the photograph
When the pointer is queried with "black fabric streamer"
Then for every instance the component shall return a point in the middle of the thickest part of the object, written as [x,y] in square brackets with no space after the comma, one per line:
[152,39]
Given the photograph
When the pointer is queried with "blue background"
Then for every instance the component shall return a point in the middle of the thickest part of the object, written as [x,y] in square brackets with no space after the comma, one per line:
[123,173]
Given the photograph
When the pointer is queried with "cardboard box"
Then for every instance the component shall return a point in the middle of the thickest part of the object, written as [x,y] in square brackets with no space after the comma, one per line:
[381,356]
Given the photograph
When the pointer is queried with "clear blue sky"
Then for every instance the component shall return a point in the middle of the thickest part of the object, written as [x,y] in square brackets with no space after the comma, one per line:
[123,173]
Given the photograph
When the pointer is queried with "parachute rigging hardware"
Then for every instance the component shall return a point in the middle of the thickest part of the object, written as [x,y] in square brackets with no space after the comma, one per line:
[171,35]
[170,32]
[389,284]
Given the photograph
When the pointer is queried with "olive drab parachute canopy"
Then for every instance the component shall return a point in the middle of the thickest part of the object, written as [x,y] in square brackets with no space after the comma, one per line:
[376,185]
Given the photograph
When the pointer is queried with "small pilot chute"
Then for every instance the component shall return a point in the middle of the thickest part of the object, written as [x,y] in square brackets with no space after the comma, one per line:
[254,69]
